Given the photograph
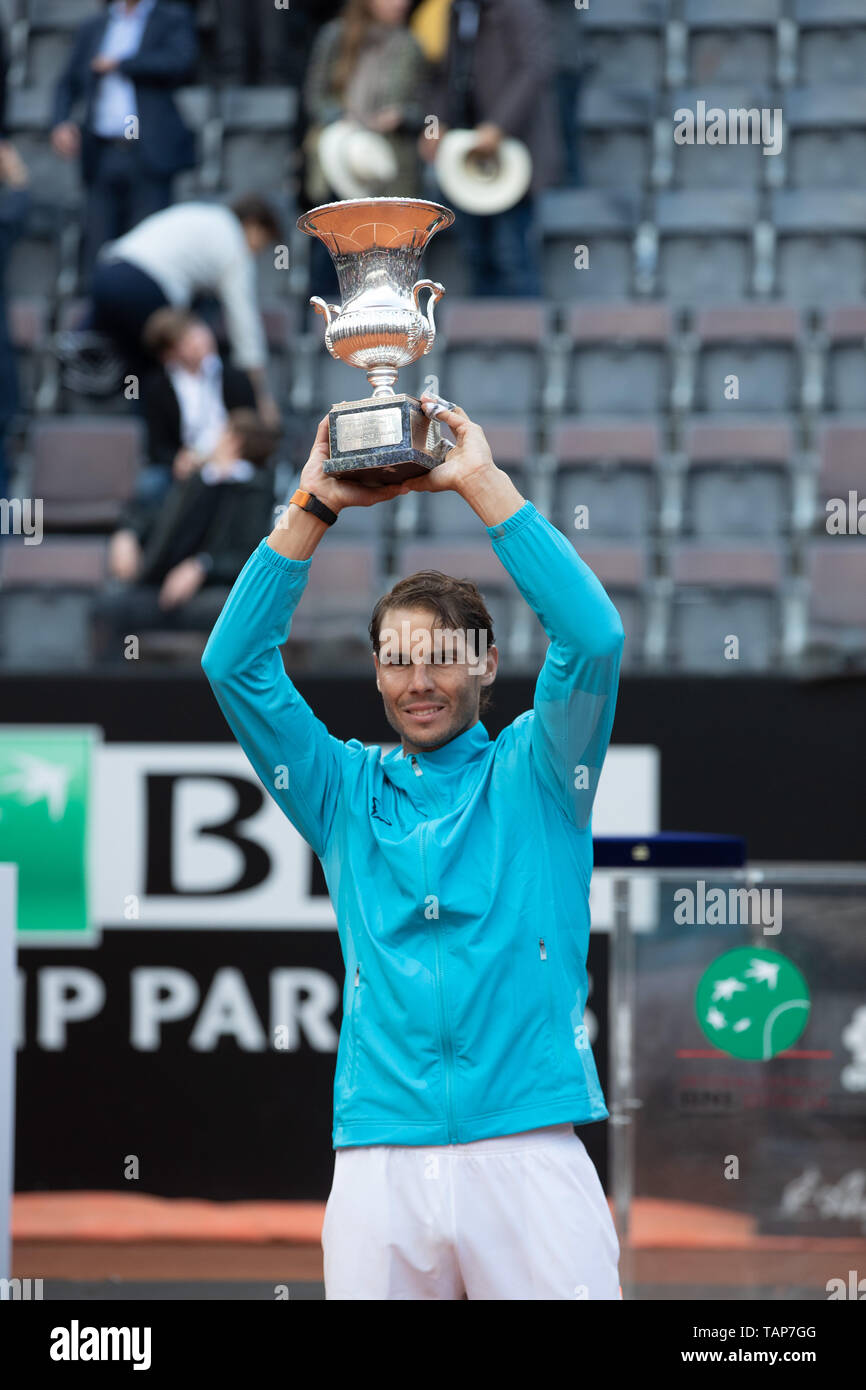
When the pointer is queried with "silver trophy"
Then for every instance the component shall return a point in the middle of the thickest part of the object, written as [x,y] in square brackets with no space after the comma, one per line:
[376,245]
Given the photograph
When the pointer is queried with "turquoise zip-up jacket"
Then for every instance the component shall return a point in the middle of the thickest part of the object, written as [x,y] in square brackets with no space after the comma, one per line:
[459,877]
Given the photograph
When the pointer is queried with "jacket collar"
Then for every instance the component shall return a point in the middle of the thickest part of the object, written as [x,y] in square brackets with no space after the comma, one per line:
[457,751]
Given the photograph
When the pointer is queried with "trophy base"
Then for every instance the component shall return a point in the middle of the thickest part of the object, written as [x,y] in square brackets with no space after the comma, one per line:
[381,440]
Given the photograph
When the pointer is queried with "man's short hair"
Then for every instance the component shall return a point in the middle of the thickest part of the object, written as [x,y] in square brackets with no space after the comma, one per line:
[257,439]
[164,329]
[458,603]
[252,208]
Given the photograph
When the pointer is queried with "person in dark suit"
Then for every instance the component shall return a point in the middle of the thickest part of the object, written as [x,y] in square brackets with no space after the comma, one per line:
[186,402]
[192,550]
[14,203]
[132,140]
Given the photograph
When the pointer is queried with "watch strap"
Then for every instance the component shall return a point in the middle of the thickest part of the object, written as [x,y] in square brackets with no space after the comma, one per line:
[308,502]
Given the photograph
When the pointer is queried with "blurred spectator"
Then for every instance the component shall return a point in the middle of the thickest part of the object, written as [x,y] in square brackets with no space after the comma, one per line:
[498,78]
[4,63]
[190,249]
[132,140]
[255,40]
[572,65]
[14,202]
[188,398]
[365,66]
[174,568]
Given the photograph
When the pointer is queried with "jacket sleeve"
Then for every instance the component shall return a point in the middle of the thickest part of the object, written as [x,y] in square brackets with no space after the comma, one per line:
[161,418]
[321,103]
[15,204]
[247,514]
[298,761]
[575,694]
[170,62]
[533,64]
[71,83]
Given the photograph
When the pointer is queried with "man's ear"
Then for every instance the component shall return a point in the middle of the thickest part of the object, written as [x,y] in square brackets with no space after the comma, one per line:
[376,665]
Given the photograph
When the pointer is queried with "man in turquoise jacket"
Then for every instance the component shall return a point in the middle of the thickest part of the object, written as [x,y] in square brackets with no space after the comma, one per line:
[459,870]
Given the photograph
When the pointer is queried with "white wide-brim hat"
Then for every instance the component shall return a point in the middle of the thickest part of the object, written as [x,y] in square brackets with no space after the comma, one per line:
[358,163]
[482,186]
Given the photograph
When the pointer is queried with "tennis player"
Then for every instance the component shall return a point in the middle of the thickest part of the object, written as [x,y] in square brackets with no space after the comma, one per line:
[459,869]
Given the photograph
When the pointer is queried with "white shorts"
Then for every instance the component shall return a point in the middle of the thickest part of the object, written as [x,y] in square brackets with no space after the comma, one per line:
[521,1216]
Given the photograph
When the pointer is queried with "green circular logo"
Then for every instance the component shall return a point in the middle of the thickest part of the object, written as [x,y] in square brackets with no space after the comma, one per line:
[752,1003]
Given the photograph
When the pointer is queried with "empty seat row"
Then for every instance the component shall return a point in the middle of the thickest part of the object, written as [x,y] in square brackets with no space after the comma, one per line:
[723,609]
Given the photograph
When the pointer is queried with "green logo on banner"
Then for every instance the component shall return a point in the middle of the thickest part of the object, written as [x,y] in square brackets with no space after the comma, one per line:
[44,823]
[752,1003]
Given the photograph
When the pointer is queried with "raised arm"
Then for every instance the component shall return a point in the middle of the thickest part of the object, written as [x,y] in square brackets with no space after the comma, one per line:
[298,761]
[575,695]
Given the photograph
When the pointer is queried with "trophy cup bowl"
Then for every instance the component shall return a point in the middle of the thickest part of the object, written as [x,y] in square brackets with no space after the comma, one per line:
[376,245]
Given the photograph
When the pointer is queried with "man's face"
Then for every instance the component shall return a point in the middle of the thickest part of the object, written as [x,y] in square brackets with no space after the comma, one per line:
[430,686]
[197,343]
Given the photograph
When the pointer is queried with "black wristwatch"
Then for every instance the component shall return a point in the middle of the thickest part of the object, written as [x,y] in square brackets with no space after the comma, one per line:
[309,503]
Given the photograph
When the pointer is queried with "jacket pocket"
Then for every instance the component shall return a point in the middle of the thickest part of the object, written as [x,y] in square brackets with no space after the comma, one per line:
[354,1010]
[547,968]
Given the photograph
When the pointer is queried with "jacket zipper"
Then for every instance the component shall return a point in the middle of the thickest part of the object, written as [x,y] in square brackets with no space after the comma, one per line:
[444,1032]
[419,772]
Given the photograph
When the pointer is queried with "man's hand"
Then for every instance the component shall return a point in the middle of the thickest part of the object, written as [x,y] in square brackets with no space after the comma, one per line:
[181,583]
[428,144]
[335,493]
[13,170]
[468,469]
[488,138]
[66,139]
[102,65]
[124,556]
[468,460]
[186,462]
[385,120]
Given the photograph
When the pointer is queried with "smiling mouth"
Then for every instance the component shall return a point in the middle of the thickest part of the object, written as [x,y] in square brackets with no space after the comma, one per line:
[424,711]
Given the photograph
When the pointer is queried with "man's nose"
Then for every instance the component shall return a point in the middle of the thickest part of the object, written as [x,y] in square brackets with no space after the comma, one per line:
[422,676]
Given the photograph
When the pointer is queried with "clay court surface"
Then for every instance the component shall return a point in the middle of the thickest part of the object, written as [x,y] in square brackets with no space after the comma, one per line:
[121,1245]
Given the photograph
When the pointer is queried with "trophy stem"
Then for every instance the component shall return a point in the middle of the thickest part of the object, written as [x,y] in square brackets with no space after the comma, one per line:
[382,380]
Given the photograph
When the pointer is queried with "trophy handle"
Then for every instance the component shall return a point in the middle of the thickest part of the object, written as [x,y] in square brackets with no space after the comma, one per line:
[328,311]
[436,292]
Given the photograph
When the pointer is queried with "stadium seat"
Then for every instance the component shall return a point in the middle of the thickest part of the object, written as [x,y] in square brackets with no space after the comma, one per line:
[821,251]
[59,14]
[257,142]
[516,629]
[738,479]
[618,358]
[84,469]
[602,220]
[842,462]
[758,343]
[826,133]
[607,467]
[624,572]
[54,182]
[837,598]
[730,589]
[832,41]
[343,585]
[845,337]
[491,353]
[623,38]
[45,596]
[723,166]
[446,514]
[28,328]
[733,42]
[614,125]
[705,252]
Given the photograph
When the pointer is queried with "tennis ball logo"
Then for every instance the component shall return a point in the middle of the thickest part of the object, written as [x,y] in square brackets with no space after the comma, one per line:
[752,1003]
